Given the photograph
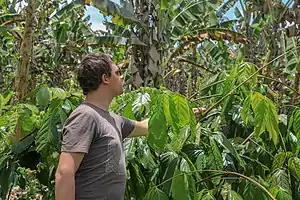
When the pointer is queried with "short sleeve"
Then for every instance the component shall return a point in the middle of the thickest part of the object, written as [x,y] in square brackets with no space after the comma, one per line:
[78,132]
[127,126]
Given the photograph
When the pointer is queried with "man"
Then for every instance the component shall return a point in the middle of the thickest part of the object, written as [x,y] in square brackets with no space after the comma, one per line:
[92,164]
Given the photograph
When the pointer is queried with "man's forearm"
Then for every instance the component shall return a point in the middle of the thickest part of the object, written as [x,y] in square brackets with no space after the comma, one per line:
[64,187]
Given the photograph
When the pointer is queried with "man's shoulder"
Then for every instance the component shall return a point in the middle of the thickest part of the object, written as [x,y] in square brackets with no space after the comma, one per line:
[83,111]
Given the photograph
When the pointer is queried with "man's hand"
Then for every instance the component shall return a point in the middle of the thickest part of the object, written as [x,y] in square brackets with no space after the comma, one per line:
[199,111]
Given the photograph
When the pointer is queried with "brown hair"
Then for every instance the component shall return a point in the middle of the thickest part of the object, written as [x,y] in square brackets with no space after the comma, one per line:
[91,69]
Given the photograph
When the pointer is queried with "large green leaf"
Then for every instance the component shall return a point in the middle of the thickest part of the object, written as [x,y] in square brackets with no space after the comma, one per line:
[280,194]
[48,135]
[246,69]
[58,93]
[265,116]
[180,187]
[169,173]
[182,110]
[294,167]
[167,109]
[222,140]
[173,114]
[281,179]
[140,105]
[214,157]
[251,192]
[155,193]
[234,196]
[280,159]
[205,195]
[157,126]
[201,161]
[163,4]
[138,181]
[5,100]
[179,140]
[246,109]
[43,96]
[23,145]
[8,28]
[128,113]
[296,122]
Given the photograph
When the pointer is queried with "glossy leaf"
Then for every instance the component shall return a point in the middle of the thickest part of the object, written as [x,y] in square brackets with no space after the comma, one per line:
[281,179]
[58,93]
[294,167]
[157,126]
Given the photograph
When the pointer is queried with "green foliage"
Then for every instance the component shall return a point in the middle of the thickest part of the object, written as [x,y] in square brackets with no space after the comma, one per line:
[175,159]
[265,116]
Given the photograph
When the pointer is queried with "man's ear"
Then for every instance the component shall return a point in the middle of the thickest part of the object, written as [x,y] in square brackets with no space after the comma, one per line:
[105,79]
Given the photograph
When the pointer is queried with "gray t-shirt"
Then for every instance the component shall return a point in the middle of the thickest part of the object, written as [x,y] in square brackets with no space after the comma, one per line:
[99,134]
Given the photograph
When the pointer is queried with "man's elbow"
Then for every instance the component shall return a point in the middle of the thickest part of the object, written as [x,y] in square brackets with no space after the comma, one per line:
[64,173]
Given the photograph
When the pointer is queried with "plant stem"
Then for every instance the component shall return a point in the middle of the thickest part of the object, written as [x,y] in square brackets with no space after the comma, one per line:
[262,148]
[207,97]
[250,77]
[182,59]
[272,79]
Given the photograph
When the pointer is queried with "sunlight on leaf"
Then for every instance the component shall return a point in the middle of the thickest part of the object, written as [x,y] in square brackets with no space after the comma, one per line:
[265,116]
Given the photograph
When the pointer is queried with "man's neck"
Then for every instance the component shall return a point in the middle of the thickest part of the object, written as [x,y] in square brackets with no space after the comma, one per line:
[99,101]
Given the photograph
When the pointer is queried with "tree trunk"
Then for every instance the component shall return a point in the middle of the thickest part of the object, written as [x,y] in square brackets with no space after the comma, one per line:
[22,72]
[26,51]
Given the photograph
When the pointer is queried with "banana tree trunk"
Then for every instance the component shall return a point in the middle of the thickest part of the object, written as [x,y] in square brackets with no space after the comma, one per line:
[22,73]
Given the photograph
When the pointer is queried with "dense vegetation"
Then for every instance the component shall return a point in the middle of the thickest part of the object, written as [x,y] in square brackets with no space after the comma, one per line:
[175,55]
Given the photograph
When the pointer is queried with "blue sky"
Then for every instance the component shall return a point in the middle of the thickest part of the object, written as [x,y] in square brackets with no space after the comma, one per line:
[96,17]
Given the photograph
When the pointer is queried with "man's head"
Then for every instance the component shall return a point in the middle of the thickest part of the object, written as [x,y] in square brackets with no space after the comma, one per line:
[96,71]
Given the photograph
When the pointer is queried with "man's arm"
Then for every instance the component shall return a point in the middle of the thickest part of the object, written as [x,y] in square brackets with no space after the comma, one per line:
[65,175]
[140,129]
[78,133]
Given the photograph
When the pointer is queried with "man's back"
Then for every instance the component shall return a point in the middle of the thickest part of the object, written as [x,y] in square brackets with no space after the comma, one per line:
[99,134]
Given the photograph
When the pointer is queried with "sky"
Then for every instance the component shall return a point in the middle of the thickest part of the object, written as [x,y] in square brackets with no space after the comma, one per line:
[96,17]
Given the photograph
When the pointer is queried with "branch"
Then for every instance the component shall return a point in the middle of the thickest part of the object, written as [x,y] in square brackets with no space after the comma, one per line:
[249,78]
[207,97]
[221,173]
[182,59]
[12,22]
[272,79]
